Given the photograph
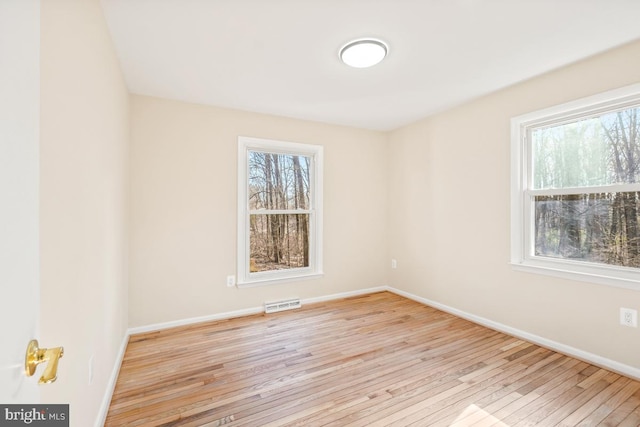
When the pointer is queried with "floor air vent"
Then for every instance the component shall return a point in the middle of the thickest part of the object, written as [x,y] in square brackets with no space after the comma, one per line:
[272,307]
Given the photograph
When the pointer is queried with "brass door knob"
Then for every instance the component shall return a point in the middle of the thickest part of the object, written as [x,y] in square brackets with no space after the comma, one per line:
[36,356]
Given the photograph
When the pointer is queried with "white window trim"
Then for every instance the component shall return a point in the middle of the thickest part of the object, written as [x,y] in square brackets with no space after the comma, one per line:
[245,278]
[521,208]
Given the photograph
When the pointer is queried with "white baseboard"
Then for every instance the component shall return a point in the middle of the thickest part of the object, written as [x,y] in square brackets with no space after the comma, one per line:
[192,320]
[345,295]
[594,359]
[111,385]
[245,312]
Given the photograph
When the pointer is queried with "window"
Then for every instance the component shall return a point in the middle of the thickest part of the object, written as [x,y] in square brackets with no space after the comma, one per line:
[576,189]
[280,211]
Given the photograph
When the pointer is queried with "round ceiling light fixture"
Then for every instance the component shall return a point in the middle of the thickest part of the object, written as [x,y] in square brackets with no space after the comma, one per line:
[363,53]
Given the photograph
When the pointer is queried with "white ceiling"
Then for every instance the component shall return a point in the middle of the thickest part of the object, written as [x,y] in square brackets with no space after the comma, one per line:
[281,56]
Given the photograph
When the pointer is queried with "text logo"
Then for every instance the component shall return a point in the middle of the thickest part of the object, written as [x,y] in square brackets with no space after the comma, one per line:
[34,415]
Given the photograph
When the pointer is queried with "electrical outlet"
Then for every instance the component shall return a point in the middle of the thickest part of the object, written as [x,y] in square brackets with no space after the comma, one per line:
[394,263]
[231,281]
[629,317]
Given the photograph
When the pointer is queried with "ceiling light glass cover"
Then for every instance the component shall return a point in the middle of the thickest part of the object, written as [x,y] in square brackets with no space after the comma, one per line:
[363,53]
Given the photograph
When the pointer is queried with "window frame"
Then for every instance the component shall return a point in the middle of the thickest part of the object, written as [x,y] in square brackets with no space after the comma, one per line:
[523,256]
[314,270]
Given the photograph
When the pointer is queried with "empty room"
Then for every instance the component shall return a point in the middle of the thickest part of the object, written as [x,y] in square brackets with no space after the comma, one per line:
[345,213]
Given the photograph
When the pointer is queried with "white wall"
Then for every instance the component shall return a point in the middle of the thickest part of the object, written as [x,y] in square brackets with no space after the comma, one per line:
[83,182]
[449,216]
[183,209]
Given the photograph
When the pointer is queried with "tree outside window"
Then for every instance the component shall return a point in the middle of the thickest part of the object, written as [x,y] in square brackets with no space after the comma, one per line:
[279,198]
[575,209]
[588,164]
[280,210]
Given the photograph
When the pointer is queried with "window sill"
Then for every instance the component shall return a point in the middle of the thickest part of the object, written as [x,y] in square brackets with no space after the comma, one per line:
[619,277]
[266,281]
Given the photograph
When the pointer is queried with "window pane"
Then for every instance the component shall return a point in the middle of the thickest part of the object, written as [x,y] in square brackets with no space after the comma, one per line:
[278,181]
[596,151]
[600,228]
[278,242]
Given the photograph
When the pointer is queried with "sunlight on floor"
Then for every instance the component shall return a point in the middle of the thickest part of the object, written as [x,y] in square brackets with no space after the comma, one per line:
[473,415]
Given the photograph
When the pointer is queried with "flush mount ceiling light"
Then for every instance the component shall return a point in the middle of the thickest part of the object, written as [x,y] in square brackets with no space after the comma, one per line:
[363,53]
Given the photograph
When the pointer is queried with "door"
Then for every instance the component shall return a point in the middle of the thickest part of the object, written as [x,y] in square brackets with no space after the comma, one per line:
[19,176]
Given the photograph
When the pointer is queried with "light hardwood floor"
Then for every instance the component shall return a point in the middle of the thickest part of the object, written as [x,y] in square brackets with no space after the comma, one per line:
[373,360]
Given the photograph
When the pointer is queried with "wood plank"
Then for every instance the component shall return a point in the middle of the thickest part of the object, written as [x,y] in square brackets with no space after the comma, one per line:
[371,360]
